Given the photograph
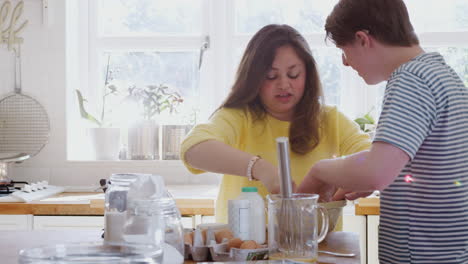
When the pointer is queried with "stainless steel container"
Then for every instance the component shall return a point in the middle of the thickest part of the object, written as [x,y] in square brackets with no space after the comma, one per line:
[172,137]
[143,141]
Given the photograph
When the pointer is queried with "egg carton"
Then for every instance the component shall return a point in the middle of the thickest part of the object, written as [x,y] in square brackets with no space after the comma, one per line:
[196,253]
[219,252]
[211,250]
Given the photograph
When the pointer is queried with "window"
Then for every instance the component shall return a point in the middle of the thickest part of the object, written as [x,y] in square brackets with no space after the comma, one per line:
[141,62]
[120,48]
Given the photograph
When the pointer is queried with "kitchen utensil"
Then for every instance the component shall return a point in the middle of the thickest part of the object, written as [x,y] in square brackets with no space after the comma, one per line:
[5,159]
[347,255]
[288,212]
[338,254]
[24,124]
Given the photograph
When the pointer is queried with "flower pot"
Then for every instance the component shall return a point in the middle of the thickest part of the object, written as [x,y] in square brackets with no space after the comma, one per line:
[143,141]
[105,142]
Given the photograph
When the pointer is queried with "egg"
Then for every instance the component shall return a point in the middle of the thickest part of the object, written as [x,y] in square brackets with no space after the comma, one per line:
[188,238]
[223,234]
[234,243]
[248,244]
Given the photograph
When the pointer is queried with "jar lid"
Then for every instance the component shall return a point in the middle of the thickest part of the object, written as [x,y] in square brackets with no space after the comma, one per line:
[249,189]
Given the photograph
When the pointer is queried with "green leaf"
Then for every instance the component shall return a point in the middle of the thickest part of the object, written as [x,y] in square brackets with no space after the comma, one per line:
[369,118]
[83,112]
[362,120]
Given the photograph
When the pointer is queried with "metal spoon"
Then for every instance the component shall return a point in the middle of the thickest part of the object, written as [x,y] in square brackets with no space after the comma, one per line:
[349,255]
[337,254]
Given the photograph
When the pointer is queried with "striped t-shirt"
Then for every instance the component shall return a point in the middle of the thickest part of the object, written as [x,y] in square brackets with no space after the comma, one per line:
[424,212]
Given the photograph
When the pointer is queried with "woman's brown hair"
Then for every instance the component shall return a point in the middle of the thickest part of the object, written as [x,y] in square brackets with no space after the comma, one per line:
[386,20]
[251,73]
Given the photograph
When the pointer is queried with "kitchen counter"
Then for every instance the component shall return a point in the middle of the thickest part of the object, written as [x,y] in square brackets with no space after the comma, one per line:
[13,241]
[191,200]
[367,206]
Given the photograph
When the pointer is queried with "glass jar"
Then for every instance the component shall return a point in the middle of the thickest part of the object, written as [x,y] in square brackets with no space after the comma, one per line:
[174,230]
[139,210]
[144,224]
[116,206]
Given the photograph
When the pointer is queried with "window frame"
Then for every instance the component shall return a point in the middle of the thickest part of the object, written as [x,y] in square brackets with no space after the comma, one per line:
[218,69]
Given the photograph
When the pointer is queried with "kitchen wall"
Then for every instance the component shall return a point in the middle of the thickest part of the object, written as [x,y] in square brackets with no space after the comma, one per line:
[44,78]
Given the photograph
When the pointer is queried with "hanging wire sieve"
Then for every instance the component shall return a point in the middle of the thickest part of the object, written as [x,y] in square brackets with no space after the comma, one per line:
[24,123]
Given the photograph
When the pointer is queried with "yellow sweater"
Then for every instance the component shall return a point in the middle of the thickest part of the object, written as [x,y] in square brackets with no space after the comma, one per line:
[339,136]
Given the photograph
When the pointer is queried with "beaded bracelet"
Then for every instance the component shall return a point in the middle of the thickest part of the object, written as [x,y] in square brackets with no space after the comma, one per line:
[252,162]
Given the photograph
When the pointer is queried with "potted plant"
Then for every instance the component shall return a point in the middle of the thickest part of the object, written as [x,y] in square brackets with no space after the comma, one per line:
[105,139]
[366,123]
[143,136]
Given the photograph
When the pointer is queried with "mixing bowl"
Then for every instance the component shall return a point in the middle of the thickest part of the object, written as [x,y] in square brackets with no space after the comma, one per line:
[335,210]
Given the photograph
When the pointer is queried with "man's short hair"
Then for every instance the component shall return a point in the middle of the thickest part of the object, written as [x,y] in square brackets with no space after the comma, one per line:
[386,20]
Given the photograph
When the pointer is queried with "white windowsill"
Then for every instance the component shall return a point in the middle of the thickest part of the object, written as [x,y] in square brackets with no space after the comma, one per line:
[126,163]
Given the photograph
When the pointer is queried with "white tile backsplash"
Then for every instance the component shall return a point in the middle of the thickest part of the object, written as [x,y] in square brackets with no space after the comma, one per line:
[44,78]
[76,176]
[89,176]
[30,175]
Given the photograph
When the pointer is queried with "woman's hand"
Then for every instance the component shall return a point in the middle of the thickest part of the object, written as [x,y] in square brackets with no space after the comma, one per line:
[267,173]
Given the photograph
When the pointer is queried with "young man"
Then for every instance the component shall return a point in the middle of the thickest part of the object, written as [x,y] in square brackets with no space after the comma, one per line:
[419,157]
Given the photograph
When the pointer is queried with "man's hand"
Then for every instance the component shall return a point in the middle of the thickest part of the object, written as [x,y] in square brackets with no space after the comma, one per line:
[327,192]
[342,194]
[311,184]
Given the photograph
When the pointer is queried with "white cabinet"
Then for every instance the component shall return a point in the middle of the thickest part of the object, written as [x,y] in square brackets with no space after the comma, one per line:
[68,222]
[187,222]
[373,239]
[16,222]
[357,224]
[194,221]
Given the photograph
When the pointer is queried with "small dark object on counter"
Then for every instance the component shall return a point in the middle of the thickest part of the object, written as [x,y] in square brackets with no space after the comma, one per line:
[103,183]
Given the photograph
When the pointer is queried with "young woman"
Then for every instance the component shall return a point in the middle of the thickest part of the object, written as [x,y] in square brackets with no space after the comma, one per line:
[276,93]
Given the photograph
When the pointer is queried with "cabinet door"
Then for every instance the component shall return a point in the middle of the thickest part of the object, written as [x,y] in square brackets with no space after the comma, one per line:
[68,222]
[187,222]
[373,239]
[16,222]
[357,224]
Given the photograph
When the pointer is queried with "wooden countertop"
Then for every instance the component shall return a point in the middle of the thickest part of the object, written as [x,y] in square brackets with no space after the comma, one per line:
[13,241]
[367,206]
[74,203]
